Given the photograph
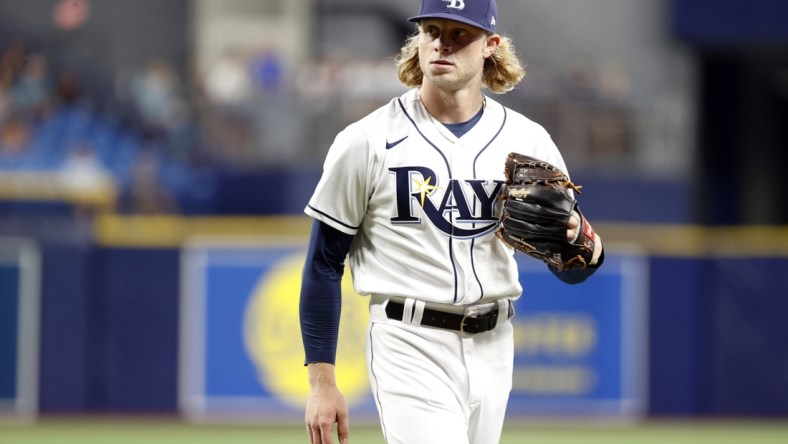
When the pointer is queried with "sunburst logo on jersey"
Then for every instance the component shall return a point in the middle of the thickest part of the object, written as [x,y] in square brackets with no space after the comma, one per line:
[424,188]
[272,336]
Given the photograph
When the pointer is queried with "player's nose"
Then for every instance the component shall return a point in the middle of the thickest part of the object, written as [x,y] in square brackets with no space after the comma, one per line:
[443,46]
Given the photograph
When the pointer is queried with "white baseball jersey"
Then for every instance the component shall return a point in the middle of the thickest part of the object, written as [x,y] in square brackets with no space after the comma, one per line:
[423,204]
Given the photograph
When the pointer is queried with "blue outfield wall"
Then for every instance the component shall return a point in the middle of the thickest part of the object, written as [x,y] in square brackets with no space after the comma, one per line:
[66,328]
[718,332]
[674,335]
[9,322]
[109,332]
[748,359]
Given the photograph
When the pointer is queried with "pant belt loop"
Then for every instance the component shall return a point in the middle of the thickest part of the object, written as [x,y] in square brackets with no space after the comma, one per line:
[418,312]
[407,311]
[503,311]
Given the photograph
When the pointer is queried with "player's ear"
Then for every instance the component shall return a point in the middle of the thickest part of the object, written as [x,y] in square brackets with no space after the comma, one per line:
[493,40]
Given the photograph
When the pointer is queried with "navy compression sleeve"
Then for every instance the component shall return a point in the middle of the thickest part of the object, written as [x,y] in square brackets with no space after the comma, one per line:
[578,275]
[321,292]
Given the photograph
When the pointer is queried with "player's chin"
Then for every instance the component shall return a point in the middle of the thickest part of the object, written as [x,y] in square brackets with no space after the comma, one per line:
[446,82]
[440,68]
[441,75]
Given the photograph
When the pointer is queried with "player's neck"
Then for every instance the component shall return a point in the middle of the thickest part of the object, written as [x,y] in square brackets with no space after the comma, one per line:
[451,106]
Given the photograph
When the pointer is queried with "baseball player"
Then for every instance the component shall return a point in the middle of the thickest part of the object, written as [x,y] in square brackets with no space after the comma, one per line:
[409,195]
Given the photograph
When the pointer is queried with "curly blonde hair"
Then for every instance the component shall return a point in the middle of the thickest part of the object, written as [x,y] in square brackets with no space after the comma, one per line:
[502,70]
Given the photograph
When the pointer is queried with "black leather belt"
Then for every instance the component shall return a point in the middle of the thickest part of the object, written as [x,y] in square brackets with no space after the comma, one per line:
[449,321]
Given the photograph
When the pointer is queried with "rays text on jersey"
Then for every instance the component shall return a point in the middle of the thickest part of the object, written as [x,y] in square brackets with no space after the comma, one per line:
[464,209]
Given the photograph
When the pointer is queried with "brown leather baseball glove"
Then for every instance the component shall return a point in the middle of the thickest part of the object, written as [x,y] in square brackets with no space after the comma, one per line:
[537,205]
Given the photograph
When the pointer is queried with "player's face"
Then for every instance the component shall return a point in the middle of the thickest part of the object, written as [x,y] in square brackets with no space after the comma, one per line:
[451,54]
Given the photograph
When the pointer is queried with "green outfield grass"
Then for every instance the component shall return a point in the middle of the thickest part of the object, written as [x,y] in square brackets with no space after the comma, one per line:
[84,431]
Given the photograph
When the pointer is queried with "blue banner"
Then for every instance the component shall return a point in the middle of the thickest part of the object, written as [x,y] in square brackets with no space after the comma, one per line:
[579,350]
[242,358]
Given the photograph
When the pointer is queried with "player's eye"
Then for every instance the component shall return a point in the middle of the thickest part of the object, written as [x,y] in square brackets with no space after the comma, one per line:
[432,32]
[462,36]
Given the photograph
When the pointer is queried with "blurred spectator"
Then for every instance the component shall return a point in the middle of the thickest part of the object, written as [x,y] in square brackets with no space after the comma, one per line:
[33,88]
[229,80]
[317,79]
[14,136]
[68,87]
[267,71]
[609,136]
[6,93]
[228,118]
[227,138]
[13,57]
[86,179]
[82,170]
[146,193]
[155,93]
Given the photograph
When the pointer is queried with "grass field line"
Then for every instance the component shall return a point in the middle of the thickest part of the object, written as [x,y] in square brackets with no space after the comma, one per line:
[122,431]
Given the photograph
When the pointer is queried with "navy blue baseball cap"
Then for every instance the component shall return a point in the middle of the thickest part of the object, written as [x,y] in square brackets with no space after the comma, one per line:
[478,13]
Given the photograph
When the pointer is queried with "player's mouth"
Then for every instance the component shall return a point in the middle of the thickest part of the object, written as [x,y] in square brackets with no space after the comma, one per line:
[442,62]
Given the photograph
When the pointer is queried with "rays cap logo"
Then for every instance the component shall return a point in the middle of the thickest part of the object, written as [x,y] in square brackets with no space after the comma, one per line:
[478,13]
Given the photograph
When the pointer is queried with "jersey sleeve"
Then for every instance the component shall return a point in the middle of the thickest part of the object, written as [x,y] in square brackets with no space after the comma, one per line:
[341,197]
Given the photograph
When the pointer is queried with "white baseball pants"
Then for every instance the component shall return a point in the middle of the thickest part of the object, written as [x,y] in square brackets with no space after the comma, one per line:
[436,386]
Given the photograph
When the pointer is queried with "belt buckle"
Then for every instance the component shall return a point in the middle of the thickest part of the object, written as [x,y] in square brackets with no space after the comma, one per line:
[470,312]
[474,312]
[462,323]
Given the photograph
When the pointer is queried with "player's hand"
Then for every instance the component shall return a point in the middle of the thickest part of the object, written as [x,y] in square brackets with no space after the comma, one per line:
[325,406]
[573,227]
[573,231]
